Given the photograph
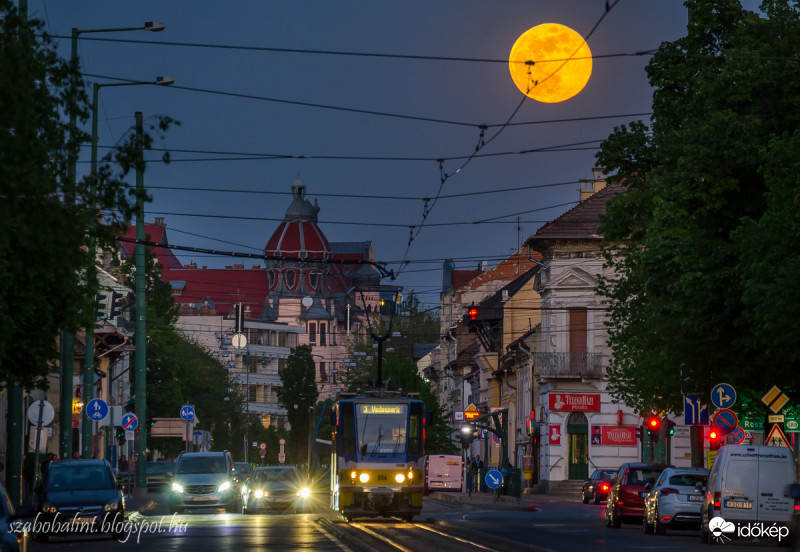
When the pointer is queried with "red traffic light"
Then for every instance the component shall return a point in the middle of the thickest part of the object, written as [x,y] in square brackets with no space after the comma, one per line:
[714,439]
[653,423]
[473,313]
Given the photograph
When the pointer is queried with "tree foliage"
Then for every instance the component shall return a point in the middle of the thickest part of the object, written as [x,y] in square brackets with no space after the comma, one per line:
[298,393]
[45,218]
[702,244]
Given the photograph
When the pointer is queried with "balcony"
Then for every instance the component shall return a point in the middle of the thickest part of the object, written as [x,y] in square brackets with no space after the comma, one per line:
[568,365]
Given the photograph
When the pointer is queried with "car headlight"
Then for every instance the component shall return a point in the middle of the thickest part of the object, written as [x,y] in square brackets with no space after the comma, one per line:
[400,478]
[224,487]
[364,477]
[259,493]
[49,509]
[111,506]
[177,488]
[305,492]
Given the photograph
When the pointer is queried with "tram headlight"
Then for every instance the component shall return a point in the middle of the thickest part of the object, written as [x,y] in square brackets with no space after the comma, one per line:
[364,477]
[400,478]
[259,493]
[353,475]
[410,474]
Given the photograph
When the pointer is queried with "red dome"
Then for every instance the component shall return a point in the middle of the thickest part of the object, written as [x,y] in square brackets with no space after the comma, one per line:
[298,239]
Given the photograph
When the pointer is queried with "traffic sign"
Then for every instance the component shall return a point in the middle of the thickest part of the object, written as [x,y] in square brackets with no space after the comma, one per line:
[262,452]
[493,479]
[282,441]
[458,416]
[129,422]
[775,399]
[738,435]
[187,413]
[263,446]
[97,409]
[471,412]
[239,341]
[725,420]
[281,457]
[723,395]
[495,438]
[47,410]
[130,435]
[776,438]
[694,412]
[198,433]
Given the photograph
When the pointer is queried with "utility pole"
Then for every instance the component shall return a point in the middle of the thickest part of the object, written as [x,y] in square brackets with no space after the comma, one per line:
[141,326]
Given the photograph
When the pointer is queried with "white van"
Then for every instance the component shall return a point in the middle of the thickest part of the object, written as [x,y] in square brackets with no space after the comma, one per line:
[747,493]
[443,472]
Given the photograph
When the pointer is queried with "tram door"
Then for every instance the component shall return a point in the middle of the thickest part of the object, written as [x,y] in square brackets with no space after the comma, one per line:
[578,435]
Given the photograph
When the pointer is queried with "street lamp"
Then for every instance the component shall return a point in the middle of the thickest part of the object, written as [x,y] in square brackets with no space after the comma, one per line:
[141,337]
[68,340]
[388,297]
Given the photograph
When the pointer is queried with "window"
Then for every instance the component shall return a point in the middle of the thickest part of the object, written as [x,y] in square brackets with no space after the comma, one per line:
[312,333]
[347,428]
[323,376]
[323,341]
[281,364]
[251,393]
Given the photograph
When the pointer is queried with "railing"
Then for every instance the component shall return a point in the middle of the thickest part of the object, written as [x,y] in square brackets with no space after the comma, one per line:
[585,365]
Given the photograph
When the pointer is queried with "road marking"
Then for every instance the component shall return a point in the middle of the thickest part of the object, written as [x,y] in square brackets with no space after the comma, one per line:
[459,539]
[380,537]
[336,541]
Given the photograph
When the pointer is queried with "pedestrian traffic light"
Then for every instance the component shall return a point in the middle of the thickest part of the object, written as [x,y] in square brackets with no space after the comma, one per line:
[652,425]
[714,439]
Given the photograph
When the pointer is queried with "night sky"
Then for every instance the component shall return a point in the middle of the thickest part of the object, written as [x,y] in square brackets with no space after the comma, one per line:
[379,93]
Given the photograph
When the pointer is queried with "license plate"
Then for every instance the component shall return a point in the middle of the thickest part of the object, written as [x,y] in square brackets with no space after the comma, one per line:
[85,520]
[642,493]
[747,505]
[695,498]
[201,498]
[436,484]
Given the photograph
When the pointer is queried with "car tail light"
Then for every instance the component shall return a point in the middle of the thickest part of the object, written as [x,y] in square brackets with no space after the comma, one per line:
[717,500]
[666,518]
[604,486]
[669,491]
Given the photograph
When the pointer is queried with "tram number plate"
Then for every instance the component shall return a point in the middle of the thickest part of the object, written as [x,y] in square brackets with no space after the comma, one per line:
[747,505]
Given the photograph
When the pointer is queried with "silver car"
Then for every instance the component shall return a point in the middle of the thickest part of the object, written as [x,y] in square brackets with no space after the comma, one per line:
[205,480]
[674,500]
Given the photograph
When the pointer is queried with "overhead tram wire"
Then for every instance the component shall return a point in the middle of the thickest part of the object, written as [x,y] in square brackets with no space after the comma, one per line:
[483,143]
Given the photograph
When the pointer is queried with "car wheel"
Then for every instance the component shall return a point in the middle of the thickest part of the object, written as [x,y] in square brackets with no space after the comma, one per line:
[597,499]
[646,527]
[584,498]
[616,521]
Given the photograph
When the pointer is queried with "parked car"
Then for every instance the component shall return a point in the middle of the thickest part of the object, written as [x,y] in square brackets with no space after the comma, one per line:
[276,487]
[748,484]
[674,500]
[625,501]
[14,537]
[159,476]
[597,486]
[84,492]
[443,472]
[204,480]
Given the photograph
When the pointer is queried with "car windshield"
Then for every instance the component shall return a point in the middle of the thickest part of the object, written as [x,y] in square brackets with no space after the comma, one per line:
[688,479]
[242,467]
[637,476]
[269,476]
[381,428]
[160,468]
[78,478]
[605,475]
[202,464]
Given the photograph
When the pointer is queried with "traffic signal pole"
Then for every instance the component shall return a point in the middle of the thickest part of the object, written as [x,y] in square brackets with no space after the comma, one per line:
[141,327]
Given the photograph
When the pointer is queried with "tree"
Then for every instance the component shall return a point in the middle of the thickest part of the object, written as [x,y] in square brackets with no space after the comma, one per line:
[45,219]
[298,393]
[688,305]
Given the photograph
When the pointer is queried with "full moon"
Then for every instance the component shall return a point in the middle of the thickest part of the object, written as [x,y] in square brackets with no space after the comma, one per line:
[550,63]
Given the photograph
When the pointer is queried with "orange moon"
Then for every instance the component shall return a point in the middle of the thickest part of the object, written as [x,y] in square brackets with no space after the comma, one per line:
[562,63]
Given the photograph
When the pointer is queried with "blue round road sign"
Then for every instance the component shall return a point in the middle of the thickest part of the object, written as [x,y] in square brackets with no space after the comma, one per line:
[495,438]
[723,395]
[738,436]
[187,413]
[130,422]
[726,420]
[493,479]
[96,409]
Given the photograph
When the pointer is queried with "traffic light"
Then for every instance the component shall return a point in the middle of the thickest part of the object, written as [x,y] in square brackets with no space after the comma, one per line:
[714,439]
[239,317]
[100,306]
[119,302]
[467,435]
[670,428]
[652,425]
[472,313]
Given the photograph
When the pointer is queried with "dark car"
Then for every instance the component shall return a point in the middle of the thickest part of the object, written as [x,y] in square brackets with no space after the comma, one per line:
[276,487]
[597,486]
[78,496]
[13,531]
[625,501]
[159,476]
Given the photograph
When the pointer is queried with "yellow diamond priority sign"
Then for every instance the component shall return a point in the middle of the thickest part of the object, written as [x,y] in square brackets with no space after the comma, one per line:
[775,399]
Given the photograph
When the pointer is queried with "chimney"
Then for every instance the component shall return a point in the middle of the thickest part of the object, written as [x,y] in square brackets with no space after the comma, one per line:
[591,186]
[160,222]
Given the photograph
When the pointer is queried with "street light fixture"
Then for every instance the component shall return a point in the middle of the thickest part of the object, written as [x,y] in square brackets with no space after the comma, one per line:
[68,339]
[141,336]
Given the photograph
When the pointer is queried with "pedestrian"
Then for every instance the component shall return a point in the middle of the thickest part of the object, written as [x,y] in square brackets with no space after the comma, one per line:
[477,468]
[122,465]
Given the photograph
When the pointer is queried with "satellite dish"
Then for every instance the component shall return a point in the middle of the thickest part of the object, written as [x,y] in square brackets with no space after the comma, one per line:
[307,302]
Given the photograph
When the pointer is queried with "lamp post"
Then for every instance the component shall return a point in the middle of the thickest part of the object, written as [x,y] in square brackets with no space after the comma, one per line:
[388,297]
[67,338]
[141,337]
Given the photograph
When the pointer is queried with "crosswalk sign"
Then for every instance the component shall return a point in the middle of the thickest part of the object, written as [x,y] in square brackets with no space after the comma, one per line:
[776,438]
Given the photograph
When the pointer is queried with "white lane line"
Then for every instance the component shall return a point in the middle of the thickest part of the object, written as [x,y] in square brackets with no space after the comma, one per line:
[336,541]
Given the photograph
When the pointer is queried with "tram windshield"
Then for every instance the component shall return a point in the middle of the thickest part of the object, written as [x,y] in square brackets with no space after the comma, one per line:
[381,428]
